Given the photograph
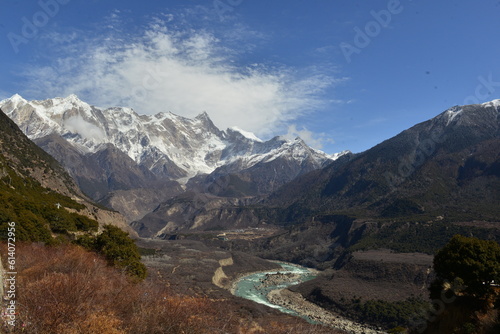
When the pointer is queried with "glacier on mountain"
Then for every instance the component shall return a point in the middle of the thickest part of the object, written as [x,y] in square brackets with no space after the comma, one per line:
[196,146]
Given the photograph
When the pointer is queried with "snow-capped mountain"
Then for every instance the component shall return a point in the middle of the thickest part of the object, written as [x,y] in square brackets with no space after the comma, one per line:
[194,146]
[118,156]
[448,166]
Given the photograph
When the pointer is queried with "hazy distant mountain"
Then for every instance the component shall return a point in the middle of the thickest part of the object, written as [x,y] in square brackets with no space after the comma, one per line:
[133,162]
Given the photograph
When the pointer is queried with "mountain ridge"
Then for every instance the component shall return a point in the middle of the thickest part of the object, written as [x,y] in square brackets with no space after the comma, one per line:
[172,135]
[115,154]
[425,164]
[446,168]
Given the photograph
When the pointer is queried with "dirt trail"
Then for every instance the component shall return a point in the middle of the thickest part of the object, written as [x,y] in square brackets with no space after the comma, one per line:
[220,278]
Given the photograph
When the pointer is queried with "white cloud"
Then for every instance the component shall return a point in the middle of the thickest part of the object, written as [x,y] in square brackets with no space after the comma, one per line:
[315,140]
[77,124]
[185,72]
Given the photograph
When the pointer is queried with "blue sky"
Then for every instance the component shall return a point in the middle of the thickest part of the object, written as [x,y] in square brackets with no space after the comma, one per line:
[343,75]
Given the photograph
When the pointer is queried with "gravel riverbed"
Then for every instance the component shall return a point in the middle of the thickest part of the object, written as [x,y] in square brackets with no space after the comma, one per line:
[271,288]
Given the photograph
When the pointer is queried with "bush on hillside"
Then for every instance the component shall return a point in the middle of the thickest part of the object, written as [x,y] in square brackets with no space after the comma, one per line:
[118,249]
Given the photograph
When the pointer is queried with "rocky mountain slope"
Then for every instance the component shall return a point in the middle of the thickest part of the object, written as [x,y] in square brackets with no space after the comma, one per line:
[446,167]
[117,155]
[411,193]
[372,221]
[38,194]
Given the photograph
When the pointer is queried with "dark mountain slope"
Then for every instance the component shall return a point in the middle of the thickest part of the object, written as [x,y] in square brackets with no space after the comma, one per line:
[97,173]
[27,160]
[111,177]
[447,166]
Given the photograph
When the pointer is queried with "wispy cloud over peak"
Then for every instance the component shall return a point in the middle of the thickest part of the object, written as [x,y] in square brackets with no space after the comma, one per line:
[183,71]
[315,140]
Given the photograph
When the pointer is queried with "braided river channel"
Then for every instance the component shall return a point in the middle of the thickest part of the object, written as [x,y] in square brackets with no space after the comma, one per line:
[251,287]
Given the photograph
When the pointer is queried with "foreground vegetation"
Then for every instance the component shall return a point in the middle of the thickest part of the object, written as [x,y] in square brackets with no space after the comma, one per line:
[43,215]
[390,314]
[422,237]
[40,213]
[464,296]
[117,248]
[466,293]
[66,289]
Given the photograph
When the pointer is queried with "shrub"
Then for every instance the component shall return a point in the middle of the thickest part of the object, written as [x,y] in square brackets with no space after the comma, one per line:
[118,249]
[473,262]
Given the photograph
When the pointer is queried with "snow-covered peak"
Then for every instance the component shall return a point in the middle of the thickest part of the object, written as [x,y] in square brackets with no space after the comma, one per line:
[60,105]
[452,113]
[163,142]
[335,156]
[203,116]
[246,134]
[72,98]
[69,100]
[460,115]
[15,99]
[297,149]
[299,141]
[494,103]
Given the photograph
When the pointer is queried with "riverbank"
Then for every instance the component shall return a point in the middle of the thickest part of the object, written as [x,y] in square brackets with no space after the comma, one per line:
[233,284]
[294,301]
[271,288]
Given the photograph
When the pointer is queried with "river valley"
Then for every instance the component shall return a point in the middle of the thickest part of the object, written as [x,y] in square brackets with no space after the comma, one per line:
[271,288]
[257,286]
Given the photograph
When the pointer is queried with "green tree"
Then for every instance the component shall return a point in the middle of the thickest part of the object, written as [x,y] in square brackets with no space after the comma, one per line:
[472,262]
[118,249]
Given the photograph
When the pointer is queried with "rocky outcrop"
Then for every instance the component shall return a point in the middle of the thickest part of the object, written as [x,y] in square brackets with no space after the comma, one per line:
[279,278]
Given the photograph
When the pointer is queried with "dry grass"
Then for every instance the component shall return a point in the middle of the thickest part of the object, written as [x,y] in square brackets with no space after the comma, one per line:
[67,290]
